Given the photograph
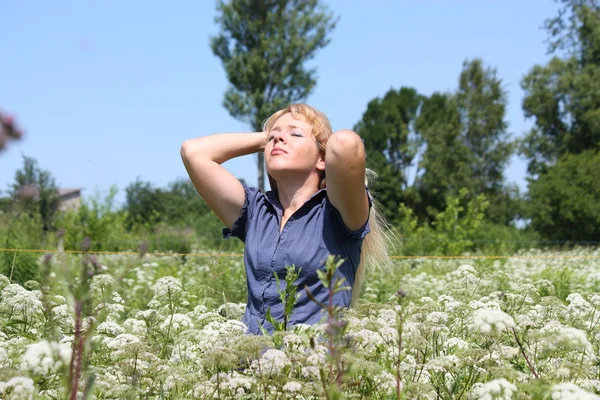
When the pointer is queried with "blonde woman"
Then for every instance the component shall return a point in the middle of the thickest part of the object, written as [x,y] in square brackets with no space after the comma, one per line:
[318,205]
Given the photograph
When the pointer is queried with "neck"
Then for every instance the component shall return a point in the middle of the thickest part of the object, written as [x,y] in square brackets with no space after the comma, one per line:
[293,194]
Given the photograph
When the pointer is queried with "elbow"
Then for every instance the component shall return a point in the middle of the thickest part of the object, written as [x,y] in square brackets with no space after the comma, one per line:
[184,150]
[345,144]
[188,150]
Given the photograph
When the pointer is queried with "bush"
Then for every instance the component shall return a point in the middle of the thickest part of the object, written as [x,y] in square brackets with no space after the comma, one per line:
[459,229]
[20,231]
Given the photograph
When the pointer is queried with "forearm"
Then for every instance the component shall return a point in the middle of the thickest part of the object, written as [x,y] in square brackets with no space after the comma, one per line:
[222,147]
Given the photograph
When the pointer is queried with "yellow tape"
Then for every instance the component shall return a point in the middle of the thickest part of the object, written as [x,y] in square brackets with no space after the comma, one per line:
[135,253]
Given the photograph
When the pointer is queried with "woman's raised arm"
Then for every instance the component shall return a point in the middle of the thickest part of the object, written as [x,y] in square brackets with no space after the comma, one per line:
[345,171]
[221,190]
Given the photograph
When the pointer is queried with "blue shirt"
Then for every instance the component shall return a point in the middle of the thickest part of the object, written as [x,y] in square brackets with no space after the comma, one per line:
[309,236]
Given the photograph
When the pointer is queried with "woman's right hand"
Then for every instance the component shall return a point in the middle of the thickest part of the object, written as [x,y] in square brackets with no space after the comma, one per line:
[221,190]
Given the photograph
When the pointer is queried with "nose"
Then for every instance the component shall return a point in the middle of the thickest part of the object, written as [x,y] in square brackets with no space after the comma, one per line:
[279,136]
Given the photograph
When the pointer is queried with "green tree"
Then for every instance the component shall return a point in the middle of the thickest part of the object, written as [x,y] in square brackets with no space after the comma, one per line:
[177,205]
[391,143]
[563,97]
[143,204]
[564,200]
[264,46]
[481,102]
[181,203]
[36,189]
[467,143]
[445,162]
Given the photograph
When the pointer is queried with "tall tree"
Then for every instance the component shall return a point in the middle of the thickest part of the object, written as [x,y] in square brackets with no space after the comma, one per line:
[467,143]
[563,97]
[391,143]
[445,161]
[264,46]
[481,102]
[36,189]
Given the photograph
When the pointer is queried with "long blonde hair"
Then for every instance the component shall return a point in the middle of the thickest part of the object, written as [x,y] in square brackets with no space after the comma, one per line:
[376,244]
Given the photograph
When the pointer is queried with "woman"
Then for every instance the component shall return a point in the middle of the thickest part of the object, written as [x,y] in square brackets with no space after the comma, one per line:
[318,205]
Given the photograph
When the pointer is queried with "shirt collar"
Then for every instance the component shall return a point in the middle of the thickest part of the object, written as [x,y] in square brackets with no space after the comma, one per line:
[273,199]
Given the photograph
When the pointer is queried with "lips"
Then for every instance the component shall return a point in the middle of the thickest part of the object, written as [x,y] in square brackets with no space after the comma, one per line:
[278,150]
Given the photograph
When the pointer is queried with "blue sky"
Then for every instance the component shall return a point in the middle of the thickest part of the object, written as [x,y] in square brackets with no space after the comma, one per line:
[106,91]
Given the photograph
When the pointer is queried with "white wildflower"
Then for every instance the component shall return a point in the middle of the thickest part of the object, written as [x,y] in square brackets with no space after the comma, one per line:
[122,340]
[570,391]
[45,358]
[292,387]
[578,306]
[455,342]
[102,284]
[389,335]
[489,320]
[437,317]
[595,301]
[385,382]
[167,289]
[17,388]
[496,389]
[20,301]
[557,335]
[272,362]
[110,328]
[135,326]
[293,342]
[176,323]
[465,270]
[310,372]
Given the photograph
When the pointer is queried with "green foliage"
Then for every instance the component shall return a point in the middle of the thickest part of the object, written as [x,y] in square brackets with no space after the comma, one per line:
[391,143]
[37,191]
[564,201]
[264,46]
[98,220]
[288,298]
[563,96]
[452,232]
[20,231]
[143,204]
[467,143]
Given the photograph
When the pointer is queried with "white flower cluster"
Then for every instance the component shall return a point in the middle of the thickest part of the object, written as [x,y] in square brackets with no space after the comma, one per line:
[570,391]
[488,321]
[46,358]
[556,335]
[167,289]
[16,299]
[17,388]
[500,389]
[272,362]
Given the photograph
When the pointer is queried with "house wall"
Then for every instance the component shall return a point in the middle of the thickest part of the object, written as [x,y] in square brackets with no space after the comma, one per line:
[71,201]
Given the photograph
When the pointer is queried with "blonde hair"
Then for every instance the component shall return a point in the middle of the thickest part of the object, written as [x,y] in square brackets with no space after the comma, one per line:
[375,247]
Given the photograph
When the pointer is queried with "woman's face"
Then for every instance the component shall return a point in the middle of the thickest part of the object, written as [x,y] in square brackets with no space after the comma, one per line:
[291,149]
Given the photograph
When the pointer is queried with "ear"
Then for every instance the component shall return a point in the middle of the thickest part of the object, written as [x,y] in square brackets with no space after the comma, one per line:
[321,162]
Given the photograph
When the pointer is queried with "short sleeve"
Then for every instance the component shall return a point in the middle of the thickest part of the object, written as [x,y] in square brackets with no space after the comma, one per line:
[339,222]
[240,226]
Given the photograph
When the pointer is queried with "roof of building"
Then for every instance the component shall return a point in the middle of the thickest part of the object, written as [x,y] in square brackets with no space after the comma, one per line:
[67,191]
